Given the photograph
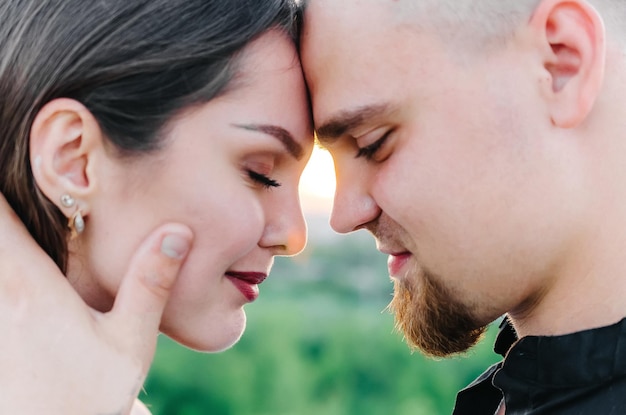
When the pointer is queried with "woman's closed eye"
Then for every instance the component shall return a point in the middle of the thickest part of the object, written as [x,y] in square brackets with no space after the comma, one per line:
[263,180]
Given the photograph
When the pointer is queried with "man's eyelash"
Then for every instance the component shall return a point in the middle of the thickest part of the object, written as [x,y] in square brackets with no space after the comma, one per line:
[263,179]
[369,152]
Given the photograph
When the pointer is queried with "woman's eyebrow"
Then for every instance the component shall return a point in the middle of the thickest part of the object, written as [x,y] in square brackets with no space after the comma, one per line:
[284,136]
[347,121]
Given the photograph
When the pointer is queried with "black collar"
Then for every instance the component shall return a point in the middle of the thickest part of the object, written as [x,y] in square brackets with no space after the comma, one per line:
[578,373]
[571,360]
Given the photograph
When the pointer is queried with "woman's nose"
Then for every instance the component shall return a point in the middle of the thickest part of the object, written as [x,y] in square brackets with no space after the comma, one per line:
[285,230]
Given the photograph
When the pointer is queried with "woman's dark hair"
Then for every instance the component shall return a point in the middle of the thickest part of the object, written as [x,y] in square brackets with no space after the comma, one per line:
[134,64]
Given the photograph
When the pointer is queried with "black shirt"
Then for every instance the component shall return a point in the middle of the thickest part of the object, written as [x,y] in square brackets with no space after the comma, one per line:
[583,373]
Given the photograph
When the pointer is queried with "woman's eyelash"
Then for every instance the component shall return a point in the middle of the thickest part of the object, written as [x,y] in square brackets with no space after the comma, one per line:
[368,152]
[263,179]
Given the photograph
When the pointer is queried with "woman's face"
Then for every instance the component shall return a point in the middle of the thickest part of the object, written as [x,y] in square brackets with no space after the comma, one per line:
[230,171]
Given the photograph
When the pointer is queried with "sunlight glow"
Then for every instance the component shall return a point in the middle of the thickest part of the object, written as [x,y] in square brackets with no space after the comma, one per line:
[317,185]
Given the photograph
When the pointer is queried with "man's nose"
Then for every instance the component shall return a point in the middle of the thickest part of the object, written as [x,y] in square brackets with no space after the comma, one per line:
[353,206]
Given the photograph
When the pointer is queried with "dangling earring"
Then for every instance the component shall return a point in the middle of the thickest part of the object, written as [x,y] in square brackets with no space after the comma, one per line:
[76,222]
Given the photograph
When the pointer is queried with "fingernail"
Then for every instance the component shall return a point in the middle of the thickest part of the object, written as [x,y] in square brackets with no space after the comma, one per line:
[175,246]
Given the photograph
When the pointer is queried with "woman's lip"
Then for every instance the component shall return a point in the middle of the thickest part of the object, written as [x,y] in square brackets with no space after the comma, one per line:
[247,283]
[250,291]
[397,262]
[249,277]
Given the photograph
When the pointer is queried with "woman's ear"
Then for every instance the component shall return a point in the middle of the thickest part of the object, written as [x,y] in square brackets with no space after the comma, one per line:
[66,143]
[573,47]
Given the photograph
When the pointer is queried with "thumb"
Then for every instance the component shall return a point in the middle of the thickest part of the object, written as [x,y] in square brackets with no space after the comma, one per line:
[146,287]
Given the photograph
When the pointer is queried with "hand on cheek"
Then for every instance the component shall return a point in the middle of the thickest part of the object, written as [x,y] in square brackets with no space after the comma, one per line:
[57,355]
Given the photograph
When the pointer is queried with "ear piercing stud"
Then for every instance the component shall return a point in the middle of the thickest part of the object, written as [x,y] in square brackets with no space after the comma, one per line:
[67,201]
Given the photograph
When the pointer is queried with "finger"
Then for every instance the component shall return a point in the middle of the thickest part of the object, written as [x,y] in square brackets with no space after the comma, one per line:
[146,287]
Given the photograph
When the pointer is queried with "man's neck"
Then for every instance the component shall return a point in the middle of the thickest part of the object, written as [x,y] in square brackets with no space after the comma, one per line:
[501,409]
[585,292]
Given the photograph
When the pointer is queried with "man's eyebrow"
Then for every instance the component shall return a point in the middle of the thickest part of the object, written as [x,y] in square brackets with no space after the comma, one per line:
[284,136]
[347,121]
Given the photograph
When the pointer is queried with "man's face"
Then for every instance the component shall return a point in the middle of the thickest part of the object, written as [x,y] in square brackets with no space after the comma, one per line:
[441,156]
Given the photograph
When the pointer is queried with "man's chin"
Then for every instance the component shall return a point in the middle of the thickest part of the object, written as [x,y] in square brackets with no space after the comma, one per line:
[432,321]
[438,344]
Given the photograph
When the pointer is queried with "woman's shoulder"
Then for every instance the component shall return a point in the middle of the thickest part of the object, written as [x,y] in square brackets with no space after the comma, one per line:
[139,409]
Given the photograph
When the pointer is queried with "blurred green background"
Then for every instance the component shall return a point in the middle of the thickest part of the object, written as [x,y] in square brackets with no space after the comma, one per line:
[318,341]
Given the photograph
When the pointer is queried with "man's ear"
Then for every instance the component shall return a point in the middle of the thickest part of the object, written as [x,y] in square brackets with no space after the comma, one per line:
[572,35]
[66,143]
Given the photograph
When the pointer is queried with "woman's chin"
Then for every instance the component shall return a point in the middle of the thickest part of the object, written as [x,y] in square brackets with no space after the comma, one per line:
[219,337]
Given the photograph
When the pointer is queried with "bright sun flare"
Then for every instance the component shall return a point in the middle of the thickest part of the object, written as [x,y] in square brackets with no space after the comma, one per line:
[317,185]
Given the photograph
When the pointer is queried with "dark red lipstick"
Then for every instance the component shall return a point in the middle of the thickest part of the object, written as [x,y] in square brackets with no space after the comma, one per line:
[247,283]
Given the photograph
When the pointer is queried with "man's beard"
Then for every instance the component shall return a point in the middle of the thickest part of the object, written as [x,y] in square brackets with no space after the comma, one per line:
[430,318]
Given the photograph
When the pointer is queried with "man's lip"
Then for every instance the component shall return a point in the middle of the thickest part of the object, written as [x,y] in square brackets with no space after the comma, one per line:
[253,278]
[397,262]
[391,249]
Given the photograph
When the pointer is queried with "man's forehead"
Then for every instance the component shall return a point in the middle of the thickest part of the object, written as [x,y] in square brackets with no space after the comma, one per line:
[340,30]
[325,14]
[331,12]
[346,57]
